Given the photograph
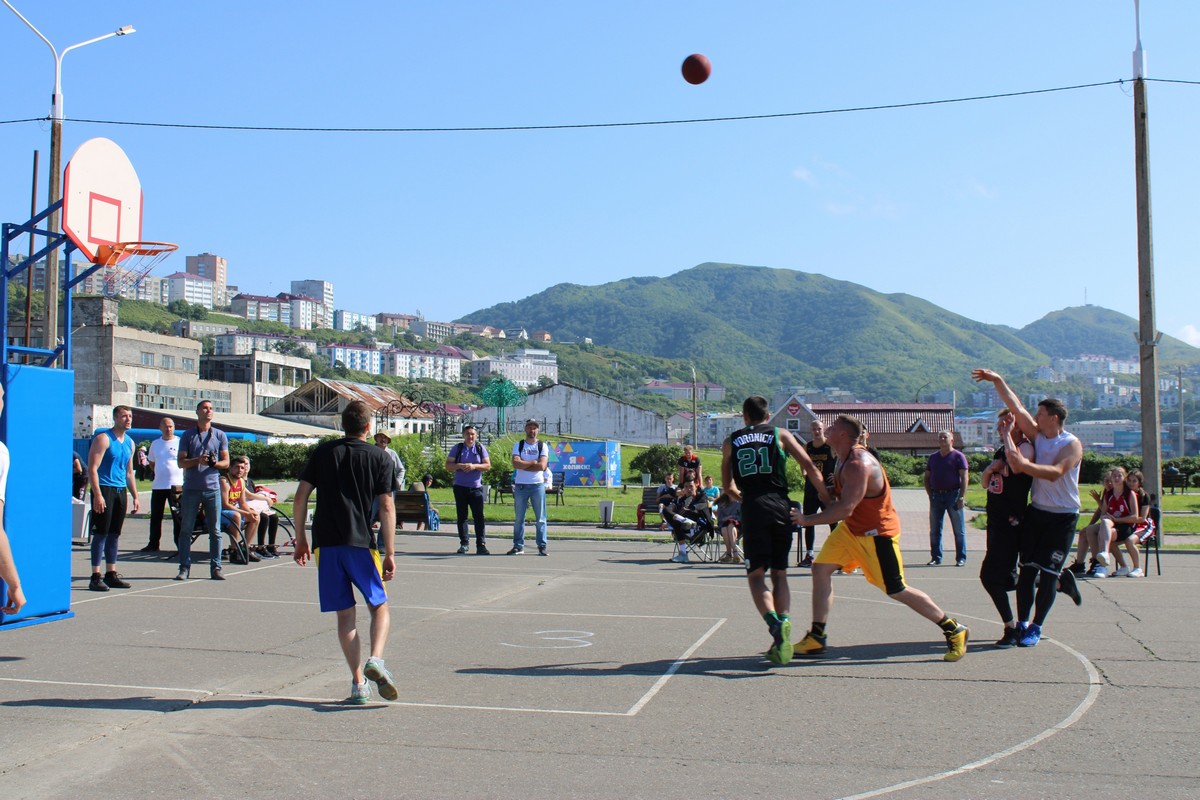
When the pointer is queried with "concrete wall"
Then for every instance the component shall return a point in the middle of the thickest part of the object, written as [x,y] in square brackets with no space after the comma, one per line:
[585,414]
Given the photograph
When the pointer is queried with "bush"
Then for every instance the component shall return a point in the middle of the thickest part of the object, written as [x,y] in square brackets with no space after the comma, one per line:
[272,461]
[658,460]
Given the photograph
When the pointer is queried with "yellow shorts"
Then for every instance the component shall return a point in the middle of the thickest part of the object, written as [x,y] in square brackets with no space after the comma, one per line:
[879,557]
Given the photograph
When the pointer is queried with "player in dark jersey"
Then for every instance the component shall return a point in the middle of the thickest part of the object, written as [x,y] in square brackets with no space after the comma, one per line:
[1007,499]
[754,470]
[822,455]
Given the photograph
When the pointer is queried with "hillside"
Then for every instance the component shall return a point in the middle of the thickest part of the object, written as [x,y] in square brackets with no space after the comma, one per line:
[1092,329]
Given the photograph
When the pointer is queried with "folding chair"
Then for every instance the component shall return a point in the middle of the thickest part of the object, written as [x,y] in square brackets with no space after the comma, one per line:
[706,542]
[1152,540]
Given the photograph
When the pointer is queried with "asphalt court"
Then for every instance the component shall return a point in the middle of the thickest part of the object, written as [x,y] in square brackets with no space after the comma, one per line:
[601,671]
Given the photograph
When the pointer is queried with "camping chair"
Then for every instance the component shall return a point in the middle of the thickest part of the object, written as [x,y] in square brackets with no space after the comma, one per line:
[1152,541]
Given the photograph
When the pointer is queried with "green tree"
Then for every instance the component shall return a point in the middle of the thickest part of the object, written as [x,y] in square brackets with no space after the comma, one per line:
[657,460]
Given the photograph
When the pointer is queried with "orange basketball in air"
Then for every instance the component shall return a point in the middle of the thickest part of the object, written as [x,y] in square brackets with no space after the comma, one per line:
[696,69]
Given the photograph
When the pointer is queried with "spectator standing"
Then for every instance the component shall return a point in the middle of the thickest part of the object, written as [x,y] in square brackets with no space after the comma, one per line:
[350,477]
[110,473]
[79,477]
[468,460]
[529,459]
[167,485]
[690,462]
[946,484]
[13,598]
[822,456]
[203,453]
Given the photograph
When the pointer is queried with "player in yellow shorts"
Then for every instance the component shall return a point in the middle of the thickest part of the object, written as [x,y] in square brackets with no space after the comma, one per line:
[868,537]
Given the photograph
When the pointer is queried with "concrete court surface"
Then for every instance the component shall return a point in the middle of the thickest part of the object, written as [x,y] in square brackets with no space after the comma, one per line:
[601,671]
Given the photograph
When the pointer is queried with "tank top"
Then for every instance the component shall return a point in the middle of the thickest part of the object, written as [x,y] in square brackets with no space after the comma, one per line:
[1117,507]
[1060,496]
[759,463]
[236,488]
[114,464]
[873,516]
[1007,492]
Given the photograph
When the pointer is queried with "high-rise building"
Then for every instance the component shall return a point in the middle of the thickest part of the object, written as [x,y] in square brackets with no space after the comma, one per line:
[213,267]
[321,291]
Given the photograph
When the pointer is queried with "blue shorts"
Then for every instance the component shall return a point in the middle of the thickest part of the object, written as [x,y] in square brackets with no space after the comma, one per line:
[227,517]
[341,567]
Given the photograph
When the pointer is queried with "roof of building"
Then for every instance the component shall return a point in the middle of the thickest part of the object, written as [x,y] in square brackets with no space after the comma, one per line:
[233,423]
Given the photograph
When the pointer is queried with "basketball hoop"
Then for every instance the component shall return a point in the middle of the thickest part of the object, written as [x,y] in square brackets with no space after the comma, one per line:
[127,263]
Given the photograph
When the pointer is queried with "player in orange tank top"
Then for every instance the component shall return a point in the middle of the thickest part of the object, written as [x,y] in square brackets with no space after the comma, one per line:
[869,537]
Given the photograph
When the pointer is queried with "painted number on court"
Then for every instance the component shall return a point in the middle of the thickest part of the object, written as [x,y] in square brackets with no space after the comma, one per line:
[557,640]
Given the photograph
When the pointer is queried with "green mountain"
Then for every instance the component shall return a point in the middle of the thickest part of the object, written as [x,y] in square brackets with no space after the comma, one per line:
[1092,329]
[754,329]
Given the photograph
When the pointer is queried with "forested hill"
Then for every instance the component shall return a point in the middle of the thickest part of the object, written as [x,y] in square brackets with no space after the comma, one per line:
[755,328]
[1092,329]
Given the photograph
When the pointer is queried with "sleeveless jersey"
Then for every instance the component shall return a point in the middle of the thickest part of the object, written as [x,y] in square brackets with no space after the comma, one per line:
[236,490]
[1059,496]
[1007,492]
[873,516]
[759,463]
[1117,507]
[823,458]
[114,464]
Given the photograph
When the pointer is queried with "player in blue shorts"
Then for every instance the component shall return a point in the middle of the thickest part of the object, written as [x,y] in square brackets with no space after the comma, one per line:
[349,476]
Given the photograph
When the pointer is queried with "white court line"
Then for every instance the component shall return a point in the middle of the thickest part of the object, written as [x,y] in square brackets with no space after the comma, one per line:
[1088,701]
[662,681]
[171,689]
[167,584]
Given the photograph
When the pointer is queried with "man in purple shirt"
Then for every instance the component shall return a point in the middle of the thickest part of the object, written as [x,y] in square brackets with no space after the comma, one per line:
[946,485]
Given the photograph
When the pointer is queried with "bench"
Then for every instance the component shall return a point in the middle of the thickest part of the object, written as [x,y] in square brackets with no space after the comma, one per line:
[498,492]
[649,504]
[413,507]
[1175,480]
[556,488]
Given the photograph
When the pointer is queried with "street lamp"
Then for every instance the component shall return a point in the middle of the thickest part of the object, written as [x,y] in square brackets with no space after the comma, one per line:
[56,120]
[917,396]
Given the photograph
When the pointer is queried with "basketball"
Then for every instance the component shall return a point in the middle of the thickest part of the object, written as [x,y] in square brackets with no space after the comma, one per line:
[696,69]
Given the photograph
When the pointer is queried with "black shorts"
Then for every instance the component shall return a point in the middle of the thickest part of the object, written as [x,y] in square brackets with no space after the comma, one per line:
[112,519]
[766,532]
[1046,538]
[999,566]
[1123,532]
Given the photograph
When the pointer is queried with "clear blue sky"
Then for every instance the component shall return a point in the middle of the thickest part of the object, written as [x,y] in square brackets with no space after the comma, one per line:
[982,208]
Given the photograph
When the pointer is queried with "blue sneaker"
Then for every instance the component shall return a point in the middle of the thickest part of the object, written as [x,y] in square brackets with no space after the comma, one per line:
[375,670]
[1031,636]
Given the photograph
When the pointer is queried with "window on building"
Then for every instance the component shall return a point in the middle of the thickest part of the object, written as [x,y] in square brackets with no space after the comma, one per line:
[147,359]
[189,364]
[168,362]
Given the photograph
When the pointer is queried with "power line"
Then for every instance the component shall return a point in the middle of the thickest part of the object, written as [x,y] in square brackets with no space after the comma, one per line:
[587,125]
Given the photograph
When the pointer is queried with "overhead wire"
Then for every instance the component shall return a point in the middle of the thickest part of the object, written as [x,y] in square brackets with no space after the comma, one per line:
[594,125]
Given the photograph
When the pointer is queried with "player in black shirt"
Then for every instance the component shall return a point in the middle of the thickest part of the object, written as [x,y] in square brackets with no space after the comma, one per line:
[822,456]
[753,470]
[350,476]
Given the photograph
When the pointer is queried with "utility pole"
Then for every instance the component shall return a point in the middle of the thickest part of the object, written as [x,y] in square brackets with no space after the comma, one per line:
[1182,451]
[1148,335]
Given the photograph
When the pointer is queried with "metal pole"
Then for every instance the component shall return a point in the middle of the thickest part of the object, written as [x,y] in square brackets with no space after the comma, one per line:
[1181,452]
[1148,335]
[33,210]
[695,443]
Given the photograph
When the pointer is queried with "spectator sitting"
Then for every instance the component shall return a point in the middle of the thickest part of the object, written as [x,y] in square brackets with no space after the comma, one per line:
[79,478]
[729,521]
[424,485]
[1116,514]
[1141,530]
[685,514]
[261,499]
[710,491]
[235,510]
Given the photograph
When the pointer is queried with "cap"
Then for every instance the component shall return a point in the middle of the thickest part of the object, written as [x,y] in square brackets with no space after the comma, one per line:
[532,421]
[384,436]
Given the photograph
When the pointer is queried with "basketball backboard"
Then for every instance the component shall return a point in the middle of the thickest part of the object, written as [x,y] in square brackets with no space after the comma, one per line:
[102,197]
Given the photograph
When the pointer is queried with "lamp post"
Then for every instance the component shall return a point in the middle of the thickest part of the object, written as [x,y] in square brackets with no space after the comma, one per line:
[56,121]
[917,396]
[694,442]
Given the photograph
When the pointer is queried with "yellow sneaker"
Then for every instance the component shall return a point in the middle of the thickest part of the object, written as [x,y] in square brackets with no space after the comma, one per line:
[956,643]
[810,645]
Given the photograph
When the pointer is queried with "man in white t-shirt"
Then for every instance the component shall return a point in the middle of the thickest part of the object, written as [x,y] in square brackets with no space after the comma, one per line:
[529,459]
[11,596]
[168,483]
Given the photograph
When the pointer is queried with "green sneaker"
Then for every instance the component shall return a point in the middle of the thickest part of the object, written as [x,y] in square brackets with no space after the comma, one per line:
[780,651]
[360,694]
[376,671]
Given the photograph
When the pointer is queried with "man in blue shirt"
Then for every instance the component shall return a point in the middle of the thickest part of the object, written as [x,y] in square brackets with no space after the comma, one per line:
[110,472]
[203,453]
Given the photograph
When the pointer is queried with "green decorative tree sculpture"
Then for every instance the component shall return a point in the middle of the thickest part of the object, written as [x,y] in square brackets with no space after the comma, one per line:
[501,393]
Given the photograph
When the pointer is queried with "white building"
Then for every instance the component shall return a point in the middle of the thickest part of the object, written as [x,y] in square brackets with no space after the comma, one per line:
[306,312]
[365,359]
[322,292]
[434,331]
[213,267]
[525,368]
[564,409]
[351,320]
[417,364]
[260,308]
[243,344]
[192,288]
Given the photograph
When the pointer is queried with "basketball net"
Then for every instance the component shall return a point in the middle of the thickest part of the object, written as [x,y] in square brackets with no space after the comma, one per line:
[127,263]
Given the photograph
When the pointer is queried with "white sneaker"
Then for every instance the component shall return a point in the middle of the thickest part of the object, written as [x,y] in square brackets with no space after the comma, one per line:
[1104,558]
[680,558]
[1121,572]
[1137,573]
